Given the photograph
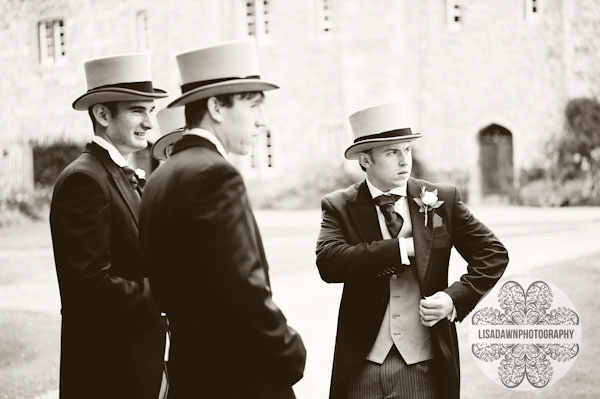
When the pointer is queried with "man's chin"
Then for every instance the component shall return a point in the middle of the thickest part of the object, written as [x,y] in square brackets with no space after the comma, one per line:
[402,180]
[140,144]
[242,151]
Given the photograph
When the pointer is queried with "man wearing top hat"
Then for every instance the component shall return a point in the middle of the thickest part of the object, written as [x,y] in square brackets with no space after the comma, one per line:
[388,240]
[112,342]
[207,264]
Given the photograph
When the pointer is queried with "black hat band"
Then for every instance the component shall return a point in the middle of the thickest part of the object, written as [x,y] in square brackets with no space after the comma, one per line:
[389,134]
[146,86]
[194,85]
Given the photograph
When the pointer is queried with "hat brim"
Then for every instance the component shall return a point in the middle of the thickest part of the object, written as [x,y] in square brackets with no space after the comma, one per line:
[226,87]
[159,148]
[353,151]
[115,94]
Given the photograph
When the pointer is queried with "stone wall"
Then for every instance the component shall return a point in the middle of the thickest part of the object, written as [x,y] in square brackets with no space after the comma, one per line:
[500,68]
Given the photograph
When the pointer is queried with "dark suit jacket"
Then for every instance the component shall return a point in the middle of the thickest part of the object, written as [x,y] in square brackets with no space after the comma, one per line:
[112,341]
[208,271]
[350,250]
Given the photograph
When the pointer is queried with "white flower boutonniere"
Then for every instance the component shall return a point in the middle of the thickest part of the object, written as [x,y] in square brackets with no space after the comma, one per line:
[140,173]
[428,202]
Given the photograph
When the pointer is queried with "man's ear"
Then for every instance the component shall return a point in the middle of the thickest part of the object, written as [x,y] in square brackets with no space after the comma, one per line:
[101,114]
[215,109]
[364,159]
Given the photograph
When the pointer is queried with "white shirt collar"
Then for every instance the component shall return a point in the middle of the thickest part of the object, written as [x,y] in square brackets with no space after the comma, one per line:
[375,192]
[210,136]
[114,154]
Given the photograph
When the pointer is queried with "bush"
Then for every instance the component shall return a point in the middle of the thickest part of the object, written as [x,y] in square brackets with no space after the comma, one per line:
[50,159]
[20,208]
[546,192]
[572,175]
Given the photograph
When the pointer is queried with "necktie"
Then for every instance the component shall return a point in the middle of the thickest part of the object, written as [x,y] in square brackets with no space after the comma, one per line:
[393,220]
[136,183]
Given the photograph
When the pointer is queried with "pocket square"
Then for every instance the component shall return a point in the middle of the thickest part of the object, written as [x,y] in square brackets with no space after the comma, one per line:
[437,221]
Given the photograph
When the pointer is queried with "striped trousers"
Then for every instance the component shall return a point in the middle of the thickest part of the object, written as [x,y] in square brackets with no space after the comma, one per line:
[393,379]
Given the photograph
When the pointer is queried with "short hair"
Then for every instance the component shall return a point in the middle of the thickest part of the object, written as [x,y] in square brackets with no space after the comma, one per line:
[112,107]
[195,111]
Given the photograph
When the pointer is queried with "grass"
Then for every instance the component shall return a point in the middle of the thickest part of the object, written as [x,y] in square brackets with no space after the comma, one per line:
[30,341]
[26,253]
[29,353]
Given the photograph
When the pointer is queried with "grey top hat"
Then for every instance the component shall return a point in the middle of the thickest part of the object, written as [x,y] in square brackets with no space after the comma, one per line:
[378,125]
[118,78]
[171,122]
[225,68]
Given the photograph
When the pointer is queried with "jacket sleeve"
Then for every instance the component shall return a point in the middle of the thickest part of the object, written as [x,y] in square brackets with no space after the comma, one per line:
[81,232]
[485,255]
[339,261]
[222,216]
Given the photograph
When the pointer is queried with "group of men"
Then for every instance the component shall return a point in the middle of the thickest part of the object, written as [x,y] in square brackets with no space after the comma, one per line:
[186,244]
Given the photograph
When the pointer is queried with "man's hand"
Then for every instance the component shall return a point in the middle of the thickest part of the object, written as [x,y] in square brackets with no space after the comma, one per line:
[434,308]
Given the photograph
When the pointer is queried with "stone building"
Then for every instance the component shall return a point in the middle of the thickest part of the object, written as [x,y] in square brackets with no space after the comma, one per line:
[486,81]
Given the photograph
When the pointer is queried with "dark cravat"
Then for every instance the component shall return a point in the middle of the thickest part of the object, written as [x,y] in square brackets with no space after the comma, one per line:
[137,184]
[393,220]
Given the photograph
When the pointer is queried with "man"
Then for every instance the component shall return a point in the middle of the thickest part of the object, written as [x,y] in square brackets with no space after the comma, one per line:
[208,269]
[388,239]
[112,342]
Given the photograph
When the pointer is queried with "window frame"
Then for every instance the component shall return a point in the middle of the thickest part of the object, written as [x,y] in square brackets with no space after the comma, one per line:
[57,27]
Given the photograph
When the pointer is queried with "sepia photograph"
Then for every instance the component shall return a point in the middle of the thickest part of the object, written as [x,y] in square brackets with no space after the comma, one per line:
[311,199]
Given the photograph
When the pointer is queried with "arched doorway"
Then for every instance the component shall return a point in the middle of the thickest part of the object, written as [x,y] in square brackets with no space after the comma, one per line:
[496,162]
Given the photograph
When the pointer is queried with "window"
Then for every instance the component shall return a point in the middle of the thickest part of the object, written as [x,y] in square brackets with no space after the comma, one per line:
[261,156]
[258,17]
[532,9]
[143,31]
[454,17]
[325,10]
[251,17]
[266,16]
[269,146]
[51,35]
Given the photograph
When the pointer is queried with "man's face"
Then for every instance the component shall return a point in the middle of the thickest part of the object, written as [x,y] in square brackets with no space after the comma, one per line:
[242,123]
[389,165]
[128,128]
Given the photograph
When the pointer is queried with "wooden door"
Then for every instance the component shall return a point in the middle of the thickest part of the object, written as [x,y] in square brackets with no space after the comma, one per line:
[496,161]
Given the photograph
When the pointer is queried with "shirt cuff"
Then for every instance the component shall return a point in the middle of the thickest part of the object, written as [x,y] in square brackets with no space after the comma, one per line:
[403,251]
[452,316]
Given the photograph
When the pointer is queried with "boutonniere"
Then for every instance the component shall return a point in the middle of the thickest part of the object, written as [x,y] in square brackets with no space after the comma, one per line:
[428,202]
[141,177]
[140,174]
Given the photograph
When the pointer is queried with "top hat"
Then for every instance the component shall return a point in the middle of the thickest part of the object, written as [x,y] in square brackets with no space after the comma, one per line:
[118,78]
[171,122]
[379,125]
[225,68]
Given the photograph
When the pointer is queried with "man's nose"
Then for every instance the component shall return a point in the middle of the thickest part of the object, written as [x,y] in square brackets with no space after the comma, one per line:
[261,120]
[402,159]
[147,122]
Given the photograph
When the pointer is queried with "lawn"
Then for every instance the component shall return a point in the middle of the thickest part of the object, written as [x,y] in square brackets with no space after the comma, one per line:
[29,353]
[30,324]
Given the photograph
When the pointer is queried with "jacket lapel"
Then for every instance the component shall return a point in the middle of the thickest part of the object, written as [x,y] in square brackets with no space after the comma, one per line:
[118,179]
[422,235]
[363,214]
